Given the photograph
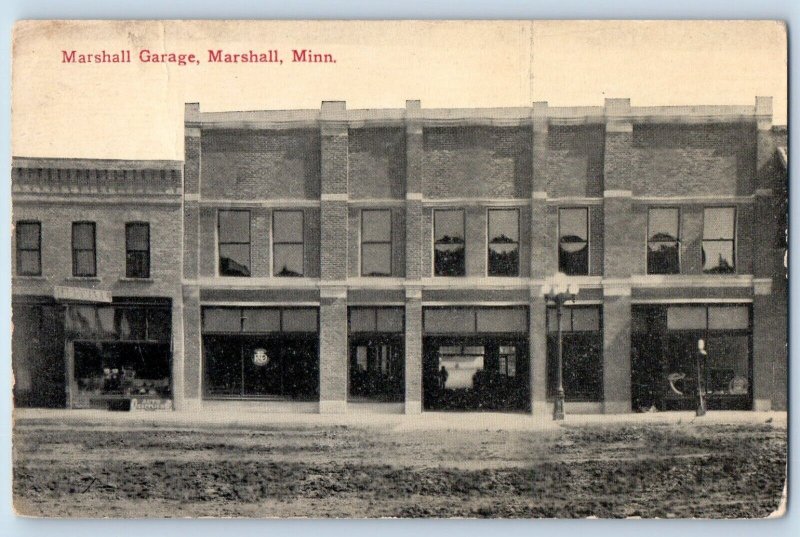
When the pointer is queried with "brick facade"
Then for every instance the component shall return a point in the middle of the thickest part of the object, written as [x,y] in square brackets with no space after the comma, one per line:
[616,161]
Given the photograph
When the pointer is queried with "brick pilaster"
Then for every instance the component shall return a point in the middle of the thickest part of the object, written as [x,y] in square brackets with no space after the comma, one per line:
[413,351]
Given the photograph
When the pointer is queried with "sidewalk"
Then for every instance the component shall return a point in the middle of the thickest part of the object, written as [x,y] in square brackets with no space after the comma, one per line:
[477,421]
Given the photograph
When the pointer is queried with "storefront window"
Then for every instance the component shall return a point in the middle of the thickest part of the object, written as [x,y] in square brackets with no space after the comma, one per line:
[503,242]
[573,241]
[662,241]
[377,361]
[261,352]
[449,245]
[719,228]
[582,355]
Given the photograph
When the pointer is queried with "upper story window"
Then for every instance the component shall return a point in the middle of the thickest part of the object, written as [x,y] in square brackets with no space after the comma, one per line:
[663,243]
[233,229]
[287,243]
[376,242]
[137,250]
[29,248]
[719,232]
[84,253]
[449,246]
[503,242]
[573,241]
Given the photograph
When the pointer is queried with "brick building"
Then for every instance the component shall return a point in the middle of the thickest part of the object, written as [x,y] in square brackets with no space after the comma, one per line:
[393,260]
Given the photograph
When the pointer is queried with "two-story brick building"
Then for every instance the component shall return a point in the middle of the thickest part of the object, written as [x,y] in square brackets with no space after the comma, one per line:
[393,260]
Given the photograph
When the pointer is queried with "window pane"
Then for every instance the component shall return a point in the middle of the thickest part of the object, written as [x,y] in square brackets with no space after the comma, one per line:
[449,260]
[573,258]
[728,364]
[448,227]
[502,320]
[138,236]
[131,323]
[503,259]
[287,226]
[552,320]
[663,258]
[159,324]
[137,265]
[458,320]
[288,260]
[376,226]
[300,320]
[28,236]
[234,226]
[28,262]
[376,260]
[390,319]
[572,225]
[83,236]
[728,317]
[234,259]
[686,318]
[261,320]
[503,226]
[663,225]
[84,263]
[362,320]
[222,320]
[718,257]
[585,319]
[718,222]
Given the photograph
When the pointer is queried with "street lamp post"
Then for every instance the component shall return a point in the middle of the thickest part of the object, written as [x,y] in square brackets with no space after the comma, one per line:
[559,291]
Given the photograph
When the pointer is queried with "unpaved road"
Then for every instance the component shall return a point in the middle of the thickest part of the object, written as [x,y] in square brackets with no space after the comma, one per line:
[647,470]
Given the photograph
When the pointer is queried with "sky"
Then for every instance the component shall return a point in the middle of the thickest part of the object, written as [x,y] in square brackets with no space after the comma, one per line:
[135,111]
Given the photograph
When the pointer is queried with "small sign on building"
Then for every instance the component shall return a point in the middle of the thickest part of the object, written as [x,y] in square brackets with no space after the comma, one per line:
[81,294]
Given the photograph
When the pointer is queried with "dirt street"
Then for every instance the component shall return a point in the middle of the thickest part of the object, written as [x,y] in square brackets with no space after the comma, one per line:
[618,470]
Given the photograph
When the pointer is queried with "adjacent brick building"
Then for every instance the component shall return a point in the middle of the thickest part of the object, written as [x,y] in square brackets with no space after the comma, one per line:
[393,260]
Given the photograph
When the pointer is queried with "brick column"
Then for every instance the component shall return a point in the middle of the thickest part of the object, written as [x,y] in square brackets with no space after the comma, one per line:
[333,258]
[618,245]
[414,223]
[189,309]
[542,255]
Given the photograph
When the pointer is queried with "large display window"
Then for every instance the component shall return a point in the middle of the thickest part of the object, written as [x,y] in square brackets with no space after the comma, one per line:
[119,352]
[38,354]
[377,355]
[582,353]
[261,353]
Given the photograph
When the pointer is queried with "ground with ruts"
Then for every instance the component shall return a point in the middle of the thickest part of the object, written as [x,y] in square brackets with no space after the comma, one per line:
[310,470]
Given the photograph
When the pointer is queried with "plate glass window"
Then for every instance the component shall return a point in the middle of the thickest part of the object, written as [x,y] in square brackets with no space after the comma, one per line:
[29,248]
[234,243]
[83,249]
[719,228]
[662,241]
[449,251]
[376,243]
[573,241]
[137,250]
[287,243]
[503,242]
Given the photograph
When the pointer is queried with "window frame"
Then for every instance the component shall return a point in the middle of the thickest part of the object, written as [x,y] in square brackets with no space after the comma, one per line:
[129,250]
[93,249]
[435,242]
[732,240]
[489,211]
[20,249]
[302,243]
[249,243]
[390,243]
[584,208]
[648,241]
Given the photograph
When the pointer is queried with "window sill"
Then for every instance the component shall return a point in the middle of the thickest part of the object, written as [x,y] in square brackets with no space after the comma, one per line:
[30,278]
[82,279]
[135,280]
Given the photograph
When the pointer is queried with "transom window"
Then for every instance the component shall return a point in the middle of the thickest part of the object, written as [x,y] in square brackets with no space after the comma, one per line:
[29,248]
[376,242]
[449,246]
[573,241]
[84,259]
[137,250]
[503,242]
[663,244]
[719,232]
[287,243]
[234,243]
